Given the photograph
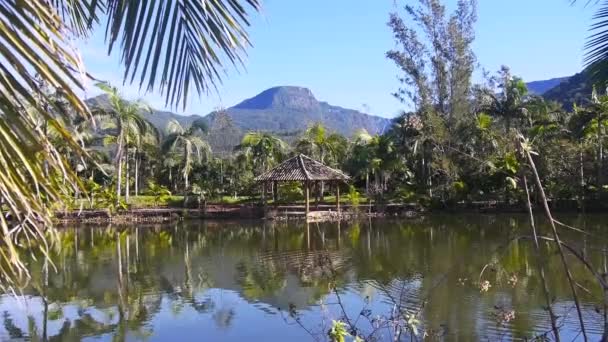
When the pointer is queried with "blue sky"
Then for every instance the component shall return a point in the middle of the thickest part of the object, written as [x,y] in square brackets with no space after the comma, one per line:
[336,48]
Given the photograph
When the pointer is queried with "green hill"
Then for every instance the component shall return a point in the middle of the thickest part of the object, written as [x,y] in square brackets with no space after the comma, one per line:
[285,111]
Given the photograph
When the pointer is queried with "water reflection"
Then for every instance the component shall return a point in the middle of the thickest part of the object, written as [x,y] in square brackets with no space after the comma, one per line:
[277,281]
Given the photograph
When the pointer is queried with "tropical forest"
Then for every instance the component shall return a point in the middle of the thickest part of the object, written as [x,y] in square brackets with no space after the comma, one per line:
[456,188]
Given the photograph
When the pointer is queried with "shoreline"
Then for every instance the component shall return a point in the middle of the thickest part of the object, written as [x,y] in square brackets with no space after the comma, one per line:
[318,213]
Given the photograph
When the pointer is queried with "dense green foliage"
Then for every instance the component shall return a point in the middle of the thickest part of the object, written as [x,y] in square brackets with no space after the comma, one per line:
[458,142]
[43,77]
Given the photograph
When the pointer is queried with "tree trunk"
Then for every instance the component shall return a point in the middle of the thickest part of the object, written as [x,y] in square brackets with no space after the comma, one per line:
[119,167]
[171,178]
[119,178]
[136,174]
[429,178]
[127,185]
[186,184]
[423,171]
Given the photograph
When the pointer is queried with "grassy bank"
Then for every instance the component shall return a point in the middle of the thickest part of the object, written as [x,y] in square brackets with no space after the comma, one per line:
[177,201]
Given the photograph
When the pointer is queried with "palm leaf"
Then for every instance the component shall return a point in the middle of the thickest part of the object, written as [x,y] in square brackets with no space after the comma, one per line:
[596,56]
[174,127]
[178,44]
[171,45]
[34,56]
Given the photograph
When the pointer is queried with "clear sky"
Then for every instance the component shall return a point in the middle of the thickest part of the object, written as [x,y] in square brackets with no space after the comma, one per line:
[336,48]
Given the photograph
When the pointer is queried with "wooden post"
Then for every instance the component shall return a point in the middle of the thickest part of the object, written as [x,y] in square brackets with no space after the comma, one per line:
[338,197]
[307,235]
[264,202]
[307,194]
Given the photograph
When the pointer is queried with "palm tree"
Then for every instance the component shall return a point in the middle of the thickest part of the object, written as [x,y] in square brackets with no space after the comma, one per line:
[262,150]
[510,104]
[130,125]
[164,45]
[147,160]
[589,124]
[188,143]
[376,155]
[327,148]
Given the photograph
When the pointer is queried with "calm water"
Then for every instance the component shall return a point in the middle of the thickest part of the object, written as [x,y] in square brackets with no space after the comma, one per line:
[255,281]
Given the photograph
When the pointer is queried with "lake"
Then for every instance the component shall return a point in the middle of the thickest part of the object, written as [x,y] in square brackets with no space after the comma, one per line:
[288,281]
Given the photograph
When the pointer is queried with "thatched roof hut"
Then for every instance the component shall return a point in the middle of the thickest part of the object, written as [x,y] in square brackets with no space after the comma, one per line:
[302,168]
[307,170]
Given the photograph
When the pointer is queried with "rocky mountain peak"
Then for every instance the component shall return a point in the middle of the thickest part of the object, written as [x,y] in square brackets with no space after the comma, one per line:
[283,97]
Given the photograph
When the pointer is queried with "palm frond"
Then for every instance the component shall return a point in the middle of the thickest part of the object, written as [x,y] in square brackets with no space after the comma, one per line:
[178,44]
[596,55]
[34,55]
[174,127]
[79,15]
[174,46]
[169,143]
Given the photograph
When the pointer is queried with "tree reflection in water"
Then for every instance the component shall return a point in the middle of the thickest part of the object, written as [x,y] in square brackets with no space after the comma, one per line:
[378,277]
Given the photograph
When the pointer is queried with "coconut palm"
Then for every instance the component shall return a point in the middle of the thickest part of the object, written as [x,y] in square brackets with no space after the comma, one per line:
[318,144]
[262,150]
[188,143]
[172,46]
[327,148]
[130,126]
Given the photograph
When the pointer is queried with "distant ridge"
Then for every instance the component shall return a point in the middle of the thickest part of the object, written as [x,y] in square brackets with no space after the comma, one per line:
[541,87]
[285,111]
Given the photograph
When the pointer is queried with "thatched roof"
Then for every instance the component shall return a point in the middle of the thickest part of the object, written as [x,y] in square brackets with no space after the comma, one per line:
[302,168]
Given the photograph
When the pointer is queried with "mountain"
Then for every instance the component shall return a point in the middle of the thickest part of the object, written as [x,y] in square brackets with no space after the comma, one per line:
[576,89]
[158,118]
[285,111]
[567,91]
[541,87]
[292,109]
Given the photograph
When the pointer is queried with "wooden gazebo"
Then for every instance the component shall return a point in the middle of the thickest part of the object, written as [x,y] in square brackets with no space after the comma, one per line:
[306,170]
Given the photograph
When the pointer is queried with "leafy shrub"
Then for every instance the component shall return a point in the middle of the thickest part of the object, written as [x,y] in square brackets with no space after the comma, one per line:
[290,191]
[405,194]
[354,197]
[160,192]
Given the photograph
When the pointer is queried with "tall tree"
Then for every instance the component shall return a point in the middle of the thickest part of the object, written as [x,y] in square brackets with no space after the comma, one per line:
[189,144]
[317,143]
[436,68]
[436,62]
[170,46]
[509,101]
[327,148]
[263,150]
[130,126]
[588,126]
